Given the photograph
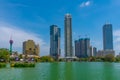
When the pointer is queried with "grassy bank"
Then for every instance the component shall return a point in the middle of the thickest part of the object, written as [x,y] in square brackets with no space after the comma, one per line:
[23,64]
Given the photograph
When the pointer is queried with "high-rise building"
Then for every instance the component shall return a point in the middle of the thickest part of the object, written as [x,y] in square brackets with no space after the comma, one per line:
[55,41]
[30,48]
[93,51]
[77,48]
[107,37]
[68,35]
[82,47]
[87,46]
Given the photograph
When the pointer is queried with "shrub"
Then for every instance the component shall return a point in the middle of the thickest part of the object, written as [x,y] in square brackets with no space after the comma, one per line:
[22,64]
[109,58]
[2,65]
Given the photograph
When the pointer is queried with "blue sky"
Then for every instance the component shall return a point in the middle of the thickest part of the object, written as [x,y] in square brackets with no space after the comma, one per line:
[30,19]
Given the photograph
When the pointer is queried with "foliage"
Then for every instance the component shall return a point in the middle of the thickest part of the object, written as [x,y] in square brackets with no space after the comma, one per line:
[37,59]
[83,59]
[61,59]
[4,54]
[46,59]
[2,65]
[117,59]
[109,58]
[91,59]
[12,59]
[22,64]
[20,56]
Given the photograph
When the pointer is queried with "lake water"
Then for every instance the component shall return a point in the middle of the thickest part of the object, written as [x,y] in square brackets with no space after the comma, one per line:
[64,71]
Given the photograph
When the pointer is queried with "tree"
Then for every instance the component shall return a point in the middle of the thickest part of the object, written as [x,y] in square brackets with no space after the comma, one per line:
[46,59]
[20,56]
[118,59]
[4,54]
[109,58]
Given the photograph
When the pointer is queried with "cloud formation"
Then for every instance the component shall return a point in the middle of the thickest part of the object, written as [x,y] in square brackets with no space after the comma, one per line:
[19,35]
[116,34]
[85,4]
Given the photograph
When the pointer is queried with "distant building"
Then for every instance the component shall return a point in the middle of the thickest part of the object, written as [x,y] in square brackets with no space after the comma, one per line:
[93,51]
[11,43]
[30,48]
[82,47]
[55,41]
[118,55]
[107,37]
[107,40]
[102,53]
[68,35]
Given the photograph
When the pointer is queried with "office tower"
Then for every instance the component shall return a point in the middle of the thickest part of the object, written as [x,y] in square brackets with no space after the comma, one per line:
[77,48]
[11,43]
[93,51]
[68,35]
[87,47]
[82,47]
[55,41]
[30,48]
[107,37]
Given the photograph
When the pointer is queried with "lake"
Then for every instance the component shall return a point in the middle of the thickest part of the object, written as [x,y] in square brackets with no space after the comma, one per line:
[64,71]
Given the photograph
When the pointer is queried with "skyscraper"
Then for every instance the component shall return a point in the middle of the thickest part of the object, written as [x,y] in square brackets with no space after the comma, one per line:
[68,35]
[93,51]
[82,47]
[107,37]
[87,46]
[55,41]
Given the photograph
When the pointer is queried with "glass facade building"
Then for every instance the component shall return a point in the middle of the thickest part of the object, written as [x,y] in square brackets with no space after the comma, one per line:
[68,35]
[55,41]
[82,47]
[107,37]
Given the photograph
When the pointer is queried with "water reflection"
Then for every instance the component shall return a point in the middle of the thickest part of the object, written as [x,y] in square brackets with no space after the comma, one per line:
[68,67]
[54,71]
[109,71]
[64,71]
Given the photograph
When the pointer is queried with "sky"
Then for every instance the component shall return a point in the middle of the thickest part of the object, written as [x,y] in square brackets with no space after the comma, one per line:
[31,19]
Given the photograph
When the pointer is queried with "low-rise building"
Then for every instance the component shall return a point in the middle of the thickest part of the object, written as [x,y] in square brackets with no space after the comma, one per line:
[30,48]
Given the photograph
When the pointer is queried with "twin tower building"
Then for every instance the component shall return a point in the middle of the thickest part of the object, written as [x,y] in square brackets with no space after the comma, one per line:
[55,32]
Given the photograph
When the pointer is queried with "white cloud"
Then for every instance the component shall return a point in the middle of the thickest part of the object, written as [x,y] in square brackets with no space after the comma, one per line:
[116,34]
[19,36]
[85,4]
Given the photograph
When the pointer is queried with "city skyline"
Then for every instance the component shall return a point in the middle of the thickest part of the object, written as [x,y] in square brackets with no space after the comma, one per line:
[31,20]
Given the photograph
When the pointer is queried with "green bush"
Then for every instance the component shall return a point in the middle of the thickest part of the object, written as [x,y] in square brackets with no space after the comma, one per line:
[46,59]
[4,54]
[2,65]
[117,59]
[22,64]
[109,58]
